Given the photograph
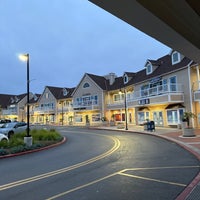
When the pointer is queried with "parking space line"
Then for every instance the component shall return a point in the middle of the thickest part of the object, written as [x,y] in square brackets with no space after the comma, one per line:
[151,179]
[82,186]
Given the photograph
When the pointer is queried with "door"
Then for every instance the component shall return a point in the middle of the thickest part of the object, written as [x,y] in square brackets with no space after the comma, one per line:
[158,118]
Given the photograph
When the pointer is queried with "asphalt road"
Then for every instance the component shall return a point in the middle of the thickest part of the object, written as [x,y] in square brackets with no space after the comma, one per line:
[100,165]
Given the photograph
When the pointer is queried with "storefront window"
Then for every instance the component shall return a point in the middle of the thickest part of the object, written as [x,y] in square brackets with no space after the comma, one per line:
[143,117]
[174,116]
[96,117]
[78,118]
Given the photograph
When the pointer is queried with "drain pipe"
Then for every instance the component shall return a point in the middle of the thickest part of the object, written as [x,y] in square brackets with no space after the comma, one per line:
[190,91]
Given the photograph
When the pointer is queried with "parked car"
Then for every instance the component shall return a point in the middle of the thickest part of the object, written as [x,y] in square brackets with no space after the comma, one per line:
[3,137]
[9,129]
[3,121]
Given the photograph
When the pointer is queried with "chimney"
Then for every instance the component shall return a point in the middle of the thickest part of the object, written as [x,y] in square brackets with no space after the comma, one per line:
[111,77]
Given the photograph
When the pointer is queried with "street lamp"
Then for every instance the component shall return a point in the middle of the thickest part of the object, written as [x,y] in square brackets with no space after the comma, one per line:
[125,107]
[61,102]
[25,58]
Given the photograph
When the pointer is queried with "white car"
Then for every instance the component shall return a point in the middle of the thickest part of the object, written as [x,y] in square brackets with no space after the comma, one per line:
[9,129]
[3,137]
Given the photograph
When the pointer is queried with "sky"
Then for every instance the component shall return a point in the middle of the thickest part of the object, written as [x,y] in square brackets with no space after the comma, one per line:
[66,39]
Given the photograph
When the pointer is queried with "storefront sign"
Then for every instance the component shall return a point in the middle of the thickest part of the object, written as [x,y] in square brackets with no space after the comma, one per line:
[144,101]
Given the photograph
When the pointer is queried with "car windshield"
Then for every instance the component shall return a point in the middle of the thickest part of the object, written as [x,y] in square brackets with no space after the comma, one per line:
[8,125]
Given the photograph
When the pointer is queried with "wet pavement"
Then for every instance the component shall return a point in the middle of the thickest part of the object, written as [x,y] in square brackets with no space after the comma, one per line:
[191,144]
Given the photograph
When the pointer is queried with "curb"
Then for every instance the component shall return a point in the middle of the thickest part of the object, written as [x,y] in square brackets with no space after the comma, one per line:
[189,188]
[34,150]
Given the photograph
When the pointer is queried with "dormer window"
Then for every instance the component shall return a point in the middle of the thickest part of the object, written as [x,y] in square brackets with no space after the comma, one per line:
[35,97]
[65,92]
[175,57]
[16,99]
[148,68]
[12,100]
[86,85]
[125,79]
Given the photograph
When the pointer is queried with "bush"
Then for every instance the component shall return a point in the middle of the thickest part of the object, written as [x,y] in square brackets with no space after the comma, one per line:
[41,138]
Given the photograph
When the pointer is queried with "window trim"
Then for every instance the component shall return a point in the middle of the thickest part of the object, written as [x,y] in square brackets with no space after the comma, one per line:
[86,85]
[178,57]
[149,68]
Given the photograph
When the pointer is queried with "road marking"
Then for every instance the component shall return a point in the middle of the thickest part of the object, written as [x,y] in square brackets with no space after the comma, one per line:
[151,179]
[81,186]
[122,172]
[167,167]
[66,169]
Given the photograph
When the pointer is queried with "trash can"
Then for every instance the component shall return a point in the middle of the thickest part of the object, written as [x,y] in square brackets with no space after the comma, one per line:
[148,126]
[151,126]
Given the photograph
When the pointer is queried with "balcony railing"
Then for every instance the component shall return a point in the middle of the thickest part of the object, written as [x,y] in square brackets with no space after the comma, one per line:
[158,90]
[85,105]
[9,111]
[65,109]
[161,93]
[44,109]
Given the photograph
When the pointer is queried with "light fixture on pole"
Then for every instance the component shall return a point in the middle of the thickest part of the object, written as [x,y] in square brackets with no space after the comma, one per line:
[125,107]
[28,138]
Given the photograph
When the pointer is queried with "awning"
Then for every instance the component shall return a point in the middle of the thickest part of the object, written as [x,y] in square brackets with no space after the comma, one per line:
[175,106]
[143,108]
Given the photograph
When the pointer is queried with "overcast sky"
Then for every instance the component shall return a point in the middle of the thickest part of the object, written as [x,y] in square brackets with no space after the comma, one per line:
[65,40]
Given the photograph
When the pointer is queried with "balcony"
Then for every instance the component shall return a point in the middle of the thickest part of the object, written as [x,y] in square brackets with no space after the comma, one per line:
[44,110]
[156,95]
[9,111]
[160,94]
[65,109]
[86,105]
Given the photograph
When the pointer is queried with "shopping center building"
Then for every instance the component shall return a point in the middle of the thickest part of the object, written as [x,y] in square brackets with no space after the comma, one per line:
[162,91]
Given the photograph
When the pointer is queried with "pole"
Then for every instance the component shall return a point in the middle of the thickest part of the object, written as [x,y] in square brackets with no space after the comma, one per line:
[28,81]
[62,113]
[125,107]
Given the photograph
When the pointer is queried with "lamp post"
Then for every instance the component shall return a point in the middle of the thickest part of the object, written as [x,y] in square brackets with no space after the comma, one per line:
[62,112]
[28,138]
[125,108]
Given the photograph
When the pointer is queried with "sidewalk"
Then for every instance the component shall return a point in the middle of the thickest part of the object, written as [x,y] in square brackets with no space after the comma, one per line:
[191,144]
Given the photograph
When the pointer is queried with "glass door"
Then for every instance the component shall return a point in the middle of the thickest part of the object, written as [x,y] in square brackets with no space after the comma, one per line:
[158,118]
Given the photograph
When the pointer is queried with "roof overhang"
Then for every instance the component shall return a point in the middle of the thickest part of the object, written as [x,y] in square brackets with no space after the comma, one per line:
[174,23]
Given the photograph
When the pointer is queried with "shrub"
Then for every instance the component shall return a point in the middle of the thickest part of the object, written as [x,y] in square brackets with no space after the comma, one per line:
[41,138]
[3,152]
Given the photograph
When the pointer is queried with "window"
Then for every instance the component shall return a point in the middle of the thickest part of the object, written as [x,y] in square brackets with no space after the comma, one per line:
[118,97]
[125,78]
[175,58]
[144,90]
[174,116]
[47,95]
[172,81]
[86,85]
[96,117]
[78,118]
[64,92]
[149,69]
[143,117]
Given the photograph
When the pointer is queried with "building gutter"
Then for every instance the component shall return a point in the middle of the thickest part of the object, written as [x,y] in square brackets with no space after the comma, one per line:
[190,91]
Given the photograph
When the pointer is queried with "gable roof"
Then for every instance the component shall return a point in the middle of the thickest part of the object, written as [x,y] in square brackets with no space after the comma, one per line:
[101,81]
[57,92]
[165,67]
[33,99]
[104,84]
[5,100]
